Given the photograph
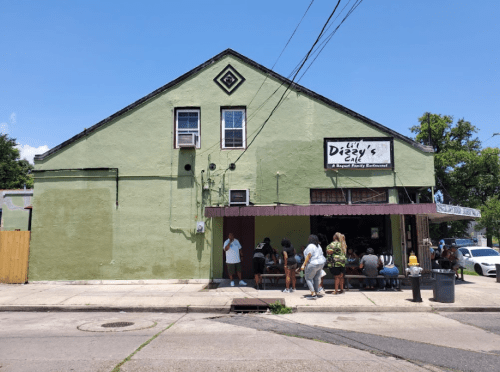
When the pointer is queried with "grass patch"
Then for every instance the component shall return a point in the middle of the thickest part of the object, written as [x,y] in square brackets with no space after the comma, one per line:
[467,272]
[279,308]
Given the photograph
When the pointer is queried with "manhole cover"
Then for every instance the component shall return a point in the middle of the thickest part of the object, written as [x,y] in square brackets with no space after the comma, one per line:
[117,324]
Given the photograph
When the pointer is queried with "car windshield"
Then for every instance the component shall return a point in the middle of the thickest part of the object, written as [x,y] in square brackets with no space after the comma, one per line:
[484,252]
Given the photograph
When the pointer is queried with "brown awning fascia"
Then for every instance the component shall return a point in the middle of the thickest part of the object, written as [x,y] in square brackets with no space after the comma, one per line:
[435,213]
[320,210]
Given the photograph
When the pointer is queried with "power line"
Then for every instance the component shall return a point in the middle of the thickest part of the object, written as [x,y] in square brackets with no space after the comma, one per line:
[288,87]
[325,41]
[272,68]
[288,42]
[304,60]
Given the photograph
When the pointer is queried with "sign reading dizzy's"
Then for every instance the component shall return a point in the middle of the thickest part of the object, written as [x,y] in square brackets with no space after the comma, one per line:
[359,153]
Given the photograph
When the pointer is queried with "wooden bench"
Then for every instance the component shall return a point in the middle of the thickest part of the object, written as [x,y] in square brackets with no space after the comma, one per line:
[398,279]
[274,276]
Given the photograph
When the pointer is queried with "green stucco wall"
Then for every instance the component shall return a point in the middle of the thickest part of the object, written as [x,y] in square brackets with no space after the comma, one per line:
[78,233]
[295,228]
[14,216]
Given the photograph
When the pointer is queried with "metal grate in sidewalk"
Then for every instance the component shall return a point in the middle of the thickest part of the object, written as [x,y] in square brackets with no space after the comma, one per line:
[254,304]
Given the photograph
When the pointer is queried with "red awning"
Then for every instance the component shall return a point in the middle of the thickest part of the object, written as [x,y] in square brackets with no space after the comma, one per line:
[321,210]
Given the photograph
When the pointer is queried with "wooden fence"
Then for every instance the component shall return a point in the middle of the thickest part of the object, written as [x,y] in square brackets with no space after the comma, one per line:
[14,253]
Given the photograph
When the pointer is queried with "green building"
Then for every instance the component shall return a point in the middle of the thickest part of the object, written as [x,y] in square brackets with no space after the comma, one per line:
[152,191]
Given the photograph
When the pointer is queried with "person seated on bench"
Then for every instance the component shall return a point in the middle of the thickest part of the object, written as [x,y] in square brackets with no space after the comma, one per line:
[389,270]
[290,265]
[274,265]
[261,251]
[370,263]
[444,261]
[352,265]
[457,259]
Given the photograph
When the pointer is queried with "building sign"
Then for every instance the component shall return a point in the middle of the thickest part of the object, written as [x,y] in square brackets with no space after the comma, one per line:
[359,153]
[459,211]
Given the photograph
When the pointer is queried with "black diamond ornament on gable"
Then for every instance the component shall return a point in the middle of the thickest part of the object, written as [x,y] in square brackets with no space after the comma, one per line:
[229,79]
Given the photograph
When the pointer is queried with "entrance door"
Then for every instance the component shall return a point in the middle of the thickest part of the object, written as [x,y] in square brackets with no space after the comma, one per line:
[243,229]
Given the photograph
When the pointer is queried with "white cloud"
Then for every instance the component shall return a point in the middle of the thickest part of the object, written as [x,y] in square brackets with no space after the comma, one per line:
[12,118]
[28,152]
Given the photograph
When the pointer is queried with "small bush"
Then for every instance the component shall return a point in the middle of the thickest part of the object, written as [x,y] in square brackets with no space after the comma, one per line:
[279,308]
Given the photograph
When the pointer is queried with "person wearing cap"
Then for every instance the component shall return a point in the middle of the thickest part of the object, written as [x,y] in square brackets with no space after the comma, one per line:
[370,263]
[440,246]
[232,247]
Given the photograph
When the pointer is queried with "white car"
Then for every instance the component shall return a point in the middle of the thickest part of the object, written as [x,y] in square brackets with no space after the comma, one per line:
[481,259]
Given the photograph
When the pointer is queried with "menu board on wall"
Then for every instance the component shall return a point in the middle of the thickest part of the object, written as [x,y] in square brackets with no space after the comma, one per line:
[359,153]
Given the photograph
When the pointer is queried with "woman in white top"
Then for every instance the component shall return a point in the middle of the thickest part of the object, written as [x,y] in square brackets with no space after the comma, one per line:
[313,264]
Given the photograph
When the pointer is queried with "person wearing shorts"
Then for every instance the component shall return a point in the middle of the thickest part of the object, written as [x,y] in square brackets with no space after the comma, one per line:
[232,247]
[290,265]
[259,260]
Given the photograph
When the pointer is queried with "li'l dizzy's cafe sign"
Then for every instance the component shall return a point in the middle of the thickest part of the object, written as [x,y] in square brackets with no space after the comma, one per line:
[359,153]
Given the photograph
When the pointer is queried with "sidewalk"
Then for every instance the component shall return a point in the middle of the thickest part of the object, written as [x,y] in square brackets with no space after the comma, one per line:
[475,294]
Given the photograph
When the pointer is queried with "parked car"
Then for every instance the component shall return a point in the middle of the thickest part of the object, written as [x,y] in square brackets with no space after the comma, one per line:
[481,259]
[459,242]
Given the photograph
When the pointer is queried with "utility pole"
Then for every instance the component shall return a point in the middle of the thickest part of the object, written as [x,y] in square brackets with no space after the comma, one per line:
[429,123]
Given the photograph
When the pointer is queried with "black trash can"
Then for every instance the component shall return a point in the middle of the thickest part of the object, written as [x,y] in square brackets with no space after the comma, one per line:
[444,285]
[498,272]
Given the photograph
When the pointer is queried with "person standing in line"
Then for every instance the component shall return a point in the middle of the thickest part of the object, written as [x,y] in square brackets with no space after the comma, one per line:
[313,264]
[232,247]
[259,260]
[369,263]
[323,242]
[290,265]
[335,258]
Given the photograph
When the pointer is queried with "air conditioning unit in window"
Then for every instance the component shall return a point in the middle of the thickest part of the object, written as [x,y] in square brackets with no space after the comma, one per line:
[186,140]
[239,197]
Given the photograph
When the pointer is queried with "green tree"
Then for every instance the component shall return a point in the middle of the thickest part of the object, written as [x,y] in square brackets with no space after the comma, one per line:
[466,175]
[14,172]
[490,217]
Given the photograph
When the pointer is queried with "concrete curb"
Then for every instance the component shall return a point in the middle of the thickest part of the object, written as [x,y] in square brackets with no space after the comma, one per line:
[226,309]
[363,309]
[128,282]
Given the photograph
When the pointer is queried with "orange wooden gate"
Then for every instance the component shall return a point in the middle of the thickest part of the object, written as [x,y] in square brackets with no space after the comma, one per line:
[14,253]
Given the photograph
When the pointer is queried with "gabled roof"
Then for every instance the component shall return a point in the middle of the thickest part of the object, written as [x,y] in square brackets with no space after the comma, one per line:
[248,61]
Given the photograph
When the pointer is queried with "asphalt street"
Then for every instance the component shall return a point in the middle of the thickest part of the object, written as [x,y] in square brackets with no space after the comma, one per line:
[48,341]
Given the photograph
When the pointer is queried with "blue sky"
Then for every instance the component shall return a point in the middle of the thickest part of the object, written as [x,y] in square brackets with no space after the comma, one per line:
[66,65]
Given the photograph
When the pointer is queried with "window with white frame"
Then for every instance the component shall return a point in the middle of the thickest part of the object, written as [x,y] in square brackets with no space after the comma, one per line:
[187,128]
[233,128]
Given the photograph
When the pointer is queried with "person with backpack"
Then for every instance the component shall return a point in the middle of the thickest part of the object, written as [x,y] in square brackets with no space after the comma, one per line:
[259,260]
[335,258]
[389,270]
